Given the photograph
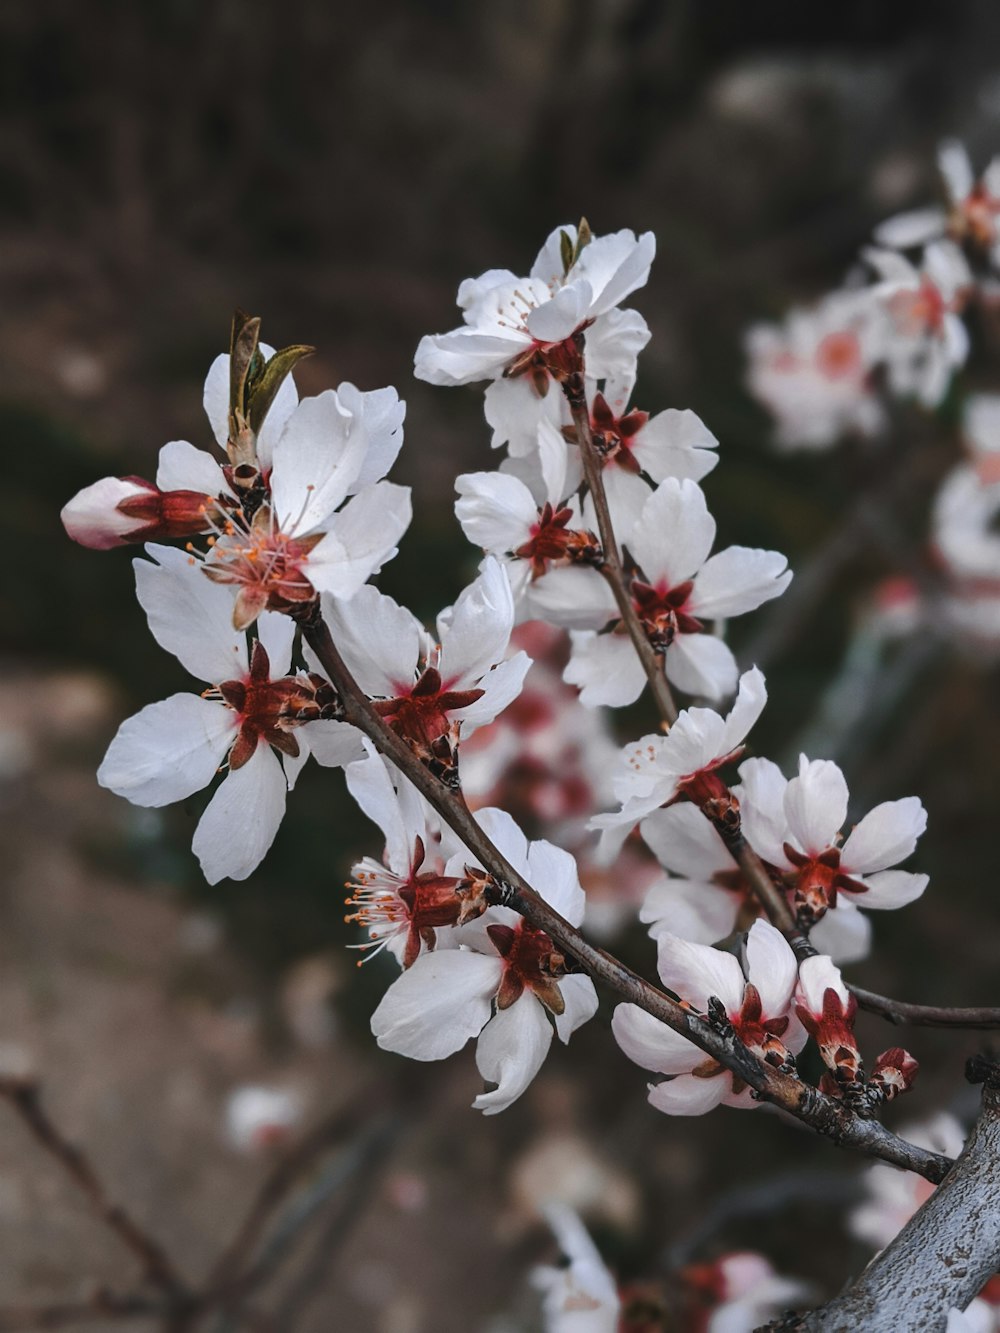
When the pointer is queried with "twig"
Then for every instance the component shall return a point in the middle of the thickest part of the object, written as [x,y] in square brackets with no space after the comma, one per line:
[574,390]
[23,1094]
[104,1305]
[805,1103]
[902,1014]
[943,1256]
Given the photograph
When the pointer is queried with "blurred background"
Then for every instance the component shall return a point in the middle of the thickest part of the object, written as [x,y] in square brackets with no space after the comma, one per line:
[339,172]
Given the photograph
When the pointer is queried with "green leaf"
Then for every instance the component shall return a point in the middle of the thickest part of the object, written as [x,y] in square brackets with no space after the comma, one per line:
[583,238]
[566,251]
[264,386]
[242,355]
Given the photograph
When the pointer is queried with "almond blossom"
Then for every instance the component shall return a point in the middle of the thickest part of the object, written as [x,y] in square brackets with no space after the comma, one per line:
[676,589]
[505,983]
[706,898]
[795,827]
[814,373]
[518,327]
[433,695]
[259,1119]
[253,712]
[972,214]
[582,1297]
[925,339]
[757,998]
[296,544]
[738,1292]
[404,900]
[658,770]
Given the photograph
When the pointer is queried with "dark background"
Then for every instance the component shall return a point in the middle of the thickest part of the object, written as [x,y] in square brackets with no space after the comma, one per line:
[339,171]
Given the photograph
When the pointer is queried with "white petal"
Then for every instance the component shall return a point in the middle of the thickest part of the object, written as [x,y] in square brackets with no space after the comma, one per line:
[616,266]
[514,411]
[384,412]
[496,511]
[369,783]
[500,687]
[464,356]
[380,641]
[362,537]
[277,633]
[695,972]
[242,818]
[475,635]
[695,910]
[887,835]
[560,316]
[432,1009]
[888,889]
[511,1051]
[674,534]
[190,616]
[317,460]
[914,228]
[182,467]
[333,744]
[738,580]
[747,708]
[955,167]
[605,668]
[684,841]
[651,1044]
[613,343]
[553,872]
[676,443]
[845,933]
[168,750]
[771,967]
[762,810]
[93,518]
[627,494]
[573,597]
[580,999]
[688,1095]
[703,665]
[816,804]
[817,976]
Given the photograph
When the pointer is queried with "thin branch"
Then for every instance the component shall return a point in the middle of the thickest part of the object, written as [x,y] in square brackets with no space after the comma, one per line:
[104,1305]
[902,1014]
[807,1104]
[574,390]
[944,1255]
[23,1094]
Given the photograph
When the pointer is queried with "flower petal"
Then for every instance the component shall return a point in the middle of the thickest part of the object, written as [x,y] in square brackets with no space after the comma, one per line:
[190,616]
[475,634]
[580,999]
[168,750]
[674,534]
[605,668]
[888,889]
[379,640]
[738,580]
[317,459]
[434,1007]
[887,835]
[771,967]
[242,818]
[703,665]
[696,972]
[816,804]
[651,1044]
[511,1051]
[688,1095]
[182,467]
[362,537]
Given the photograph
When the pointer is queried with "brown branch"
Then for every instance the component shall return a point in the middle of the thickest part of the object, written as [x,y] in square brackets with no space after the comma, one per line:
[944,1255]
[822,1113]
[104,1305]
[23,1094]
[652,662]
[903,1014]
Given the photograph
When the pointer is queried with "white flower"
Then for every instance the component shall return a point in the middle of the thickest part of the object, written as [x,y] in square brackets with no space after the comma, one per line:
[504,984]
[296,544]
[583,1297]
[254,712]
[433,695]
[795,827]
[963,525]
[894,1195]
[259,1118]
[548,551]
[924,338]
[677,589]
[405,900]
[748,1291]
[657,770]
[972,213]
[706,896]
[814,372]
[981,428]
[515,326]
[757,998]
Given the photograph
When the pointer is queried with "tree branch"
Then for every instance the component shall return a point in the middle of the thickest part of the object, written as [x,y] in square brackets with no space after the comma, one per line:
[902,1014]
[575,393]
[822,1113]
[944,1255]
[23,1094]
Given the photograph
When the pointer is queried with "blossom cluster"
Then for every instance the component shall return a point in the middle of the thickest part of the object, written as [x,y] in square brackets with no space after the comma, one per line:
[593,530]
[900,329]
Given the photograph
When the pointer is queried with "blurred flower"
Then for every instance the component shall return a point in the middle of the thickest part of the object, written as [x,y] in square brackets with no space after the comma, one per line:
[260,1118]
[582,1297]
[894,1195]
